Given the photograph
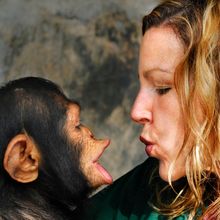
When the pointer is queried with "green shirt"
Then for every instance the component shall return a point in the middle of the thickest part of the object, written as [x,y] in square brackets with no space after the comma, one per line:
[128,197]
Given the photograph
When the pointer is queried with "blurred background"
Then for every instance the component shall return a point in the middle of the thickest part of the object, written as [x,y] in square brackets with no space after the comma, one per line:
[90,48]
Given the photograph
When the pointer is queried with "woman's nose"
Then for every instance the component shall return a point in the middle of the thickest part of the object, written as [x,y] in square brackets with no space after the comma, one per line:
[141,111]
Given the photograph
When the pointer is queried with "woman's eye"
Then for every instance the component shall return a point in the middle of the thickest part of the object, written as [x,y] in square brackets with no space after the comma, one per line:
[163,90]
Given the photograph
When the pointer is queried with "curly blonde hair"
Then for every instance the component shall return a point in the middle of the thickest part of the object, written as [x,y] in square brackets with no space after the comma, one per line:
[197,81]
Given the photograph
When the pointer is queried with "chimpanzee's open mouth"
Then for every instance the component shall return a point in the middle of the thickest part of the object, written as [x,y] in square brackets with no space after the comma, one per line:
[106,176]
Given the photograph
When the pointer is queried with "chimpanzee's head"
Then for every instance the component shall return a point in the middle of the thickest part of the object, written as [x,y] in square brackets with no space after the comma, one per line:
[43,145]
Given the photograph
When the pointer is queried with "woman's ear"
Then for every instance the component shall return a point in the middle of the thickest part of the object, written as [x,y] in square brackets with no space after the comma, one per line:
[21,159]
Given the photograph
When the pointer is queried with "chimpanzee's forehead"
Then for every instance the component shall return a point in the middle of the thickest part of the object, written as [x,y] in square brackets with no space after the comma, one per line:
[73,112]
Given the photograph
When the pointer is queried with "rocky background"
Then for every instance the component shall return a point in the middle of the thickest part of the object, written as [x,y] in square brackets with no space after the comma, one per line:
[90,48]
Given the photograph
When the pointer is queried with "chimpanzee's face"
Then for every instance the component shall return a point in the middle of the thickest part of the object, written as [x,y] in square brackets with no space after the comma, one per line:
[92,148]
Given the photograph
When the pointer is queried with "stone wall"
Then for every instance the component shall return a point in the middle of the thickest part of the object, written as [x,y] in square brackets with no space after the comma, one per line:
[90,48]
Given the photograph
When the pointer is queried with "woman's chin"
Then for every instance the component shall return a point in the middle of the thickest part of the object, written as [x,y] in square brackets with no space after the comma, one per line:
[176,173]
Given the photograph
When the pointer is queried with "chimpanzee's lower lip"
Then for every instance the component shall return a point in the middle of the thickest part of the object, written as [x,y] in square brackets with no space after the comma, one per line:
[104,173]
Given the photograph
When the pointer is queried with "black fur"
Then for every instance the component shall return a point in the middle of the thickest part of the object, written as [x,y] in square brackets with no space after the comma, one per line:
[38,107]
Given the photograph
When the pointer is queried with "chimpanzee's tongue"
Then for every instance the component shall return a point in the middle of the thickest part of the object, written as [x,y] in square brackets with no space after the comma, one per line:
[107,177]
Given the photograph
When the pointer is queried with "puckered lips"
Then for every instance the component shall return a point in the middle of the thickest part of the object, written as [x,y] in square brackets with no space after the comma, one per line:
[107,178]
[148,145]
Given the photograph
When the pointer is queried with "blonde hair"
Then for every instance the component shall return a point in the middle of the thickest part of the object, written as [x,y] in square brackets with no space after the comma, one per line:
[197,81]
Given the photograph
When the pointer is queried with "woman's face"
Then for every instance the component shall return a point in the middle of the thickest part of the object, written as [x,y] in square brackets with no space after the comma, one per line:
[156,106]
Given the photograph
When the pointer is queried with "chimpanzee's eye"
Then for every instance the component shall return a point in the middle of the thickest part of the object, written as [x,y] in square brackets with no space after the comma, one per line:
[78,126]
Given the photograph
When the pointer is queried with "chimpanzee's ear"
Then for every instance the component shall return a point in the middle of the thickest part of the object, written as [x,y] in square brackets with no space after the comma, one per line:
[21,159]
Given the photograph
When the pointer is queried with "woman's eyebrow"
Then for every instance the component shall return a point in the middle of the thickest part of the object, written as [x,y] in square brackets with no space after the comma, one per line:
[157,69]
[155,72]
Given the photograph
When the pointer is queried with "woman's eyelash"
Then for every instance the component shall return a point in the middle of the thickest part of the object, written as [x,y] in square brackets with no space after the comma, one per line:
[163,90]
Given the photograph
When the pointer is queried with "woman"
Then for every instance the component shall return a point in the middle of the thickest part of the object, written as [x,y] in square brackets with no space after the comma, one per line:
[179,107]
